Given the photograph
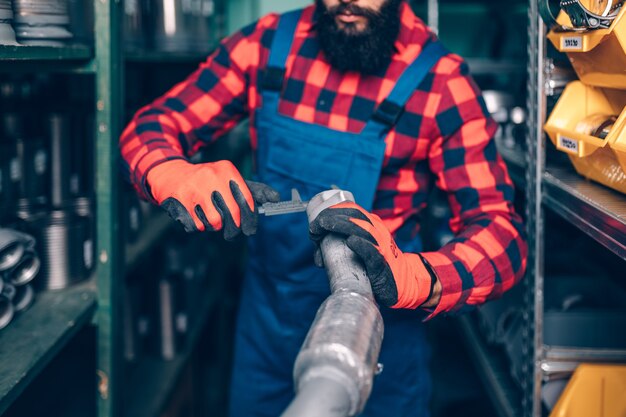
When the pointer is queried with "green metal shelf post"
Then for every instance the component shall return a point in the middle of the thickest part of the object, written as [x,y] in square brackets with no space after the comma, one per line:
[109,107]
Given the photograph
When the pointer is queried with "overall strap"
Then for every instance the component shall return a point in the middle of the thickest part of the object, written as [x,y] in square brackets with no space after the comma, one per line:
[274,74]
[389,111]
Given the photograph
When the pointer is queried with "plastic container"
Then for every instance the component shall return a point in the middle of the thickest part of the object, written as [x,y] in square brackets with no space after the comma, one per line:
[598,56]
[594,390]
[593,157]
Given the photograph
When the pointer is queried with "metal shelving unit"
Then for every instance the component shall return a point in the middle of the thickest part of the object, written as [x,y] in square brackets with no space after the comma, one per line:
[45,53]
[598,212]
[150,57]
[153,231]
[76,58]
[153,379]
[36,336]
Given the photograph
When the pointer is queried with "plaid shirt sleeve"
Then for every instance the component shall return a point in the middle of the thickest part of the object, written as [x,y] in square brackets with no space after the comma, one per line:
[195,112]
[488,254]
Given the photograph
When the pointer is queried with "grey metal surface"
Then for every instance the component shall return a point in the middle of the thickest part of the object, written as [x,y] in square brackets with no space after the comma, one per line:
[433,15]
[24,297]
[42,22]
[344,341]
[6,311]
[167,330]
[596,210]
[26,270]
[295,205]
[11,248]
[180,25]
[63,247]
[58,129]
[320,397]
[554,353]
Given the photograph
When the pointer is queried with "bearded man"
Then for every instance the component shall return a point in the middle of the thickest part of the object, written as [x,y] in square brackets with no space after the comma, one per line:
[362,95]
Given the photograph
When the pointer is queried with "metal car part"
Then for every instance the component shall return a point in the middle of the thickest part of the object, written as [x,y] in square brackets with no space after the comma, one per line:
[24,297]
[6,311]
[26,270]
[335,368]
[600,16]
[594,15]
[13,244]
[65,249]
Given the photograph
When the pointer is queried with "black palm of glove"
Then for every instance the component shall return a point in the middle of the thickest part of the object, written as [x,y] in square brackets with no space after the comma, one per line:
[211,196]
[399,280]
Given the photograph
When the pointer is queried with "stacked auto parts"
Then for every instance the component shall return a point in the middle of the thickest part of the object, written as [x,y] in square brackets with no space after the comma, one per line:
[7,34]
[42,23]
[45,194]
[169,25]
[159,311]
[19,265]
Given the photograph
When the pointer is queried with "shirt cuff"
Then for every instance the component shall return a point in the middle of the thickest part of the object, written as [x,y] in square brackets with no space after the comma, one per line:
[146,163]
[451,286]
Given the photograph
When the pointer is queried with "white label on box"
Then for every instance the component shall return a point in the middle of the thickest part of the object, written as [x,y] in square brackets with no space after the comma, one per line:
[572,43]
[568,145]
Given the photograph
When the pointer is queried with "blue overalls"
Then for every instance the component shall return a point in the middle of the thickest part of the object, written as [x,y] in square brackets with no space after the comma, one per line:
[283,289]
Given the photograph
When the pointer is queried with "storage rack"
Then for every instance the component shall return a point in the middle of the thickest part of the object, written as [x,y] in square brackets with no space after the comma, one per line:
[597,211]
[37,336]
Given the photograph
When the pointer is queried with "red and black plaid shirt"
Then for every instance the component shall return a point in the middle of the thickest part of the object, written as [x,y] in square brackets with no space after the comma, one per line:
[444,137]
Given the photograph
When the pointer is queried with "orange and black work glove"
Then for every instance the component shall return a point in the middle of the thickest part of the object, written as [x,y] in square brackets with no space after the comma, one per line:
[399,280]
[210,196]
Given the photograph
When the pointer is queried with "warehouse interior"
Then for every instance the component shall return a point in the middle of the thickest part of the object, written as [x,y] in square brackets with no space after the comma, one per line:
[108,308]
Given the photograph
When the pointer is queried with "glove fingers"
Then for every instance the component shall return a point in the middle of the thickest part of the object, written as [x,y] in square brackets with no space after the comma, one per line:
[372,259]
[249,218]
[200,214]
[378,271]
[231,231]
[263,193]
[178,212]
[323,223]
[343,225]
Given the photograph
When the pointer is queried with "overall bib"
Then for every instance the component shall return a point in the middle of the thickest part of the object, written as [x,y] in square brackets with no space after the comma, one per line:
[283,289]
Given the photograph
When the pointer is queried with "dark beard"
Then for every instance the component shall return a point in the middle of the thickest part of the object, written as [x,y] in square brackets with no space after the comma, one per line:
[367,52]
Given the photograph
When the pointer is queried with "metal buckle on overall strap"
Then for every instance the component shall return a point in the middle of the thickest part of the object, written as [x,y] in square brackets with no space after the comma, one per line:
[388,113]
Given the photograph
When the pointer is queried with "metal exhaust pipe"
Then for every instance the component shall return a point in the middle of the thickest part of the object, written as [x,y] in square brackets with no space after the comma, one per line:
[8,291]
[64,248]
[335,368]
[59,168]
[24,297]
[26,270]
[11,249]
[13,244]
[6,311]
